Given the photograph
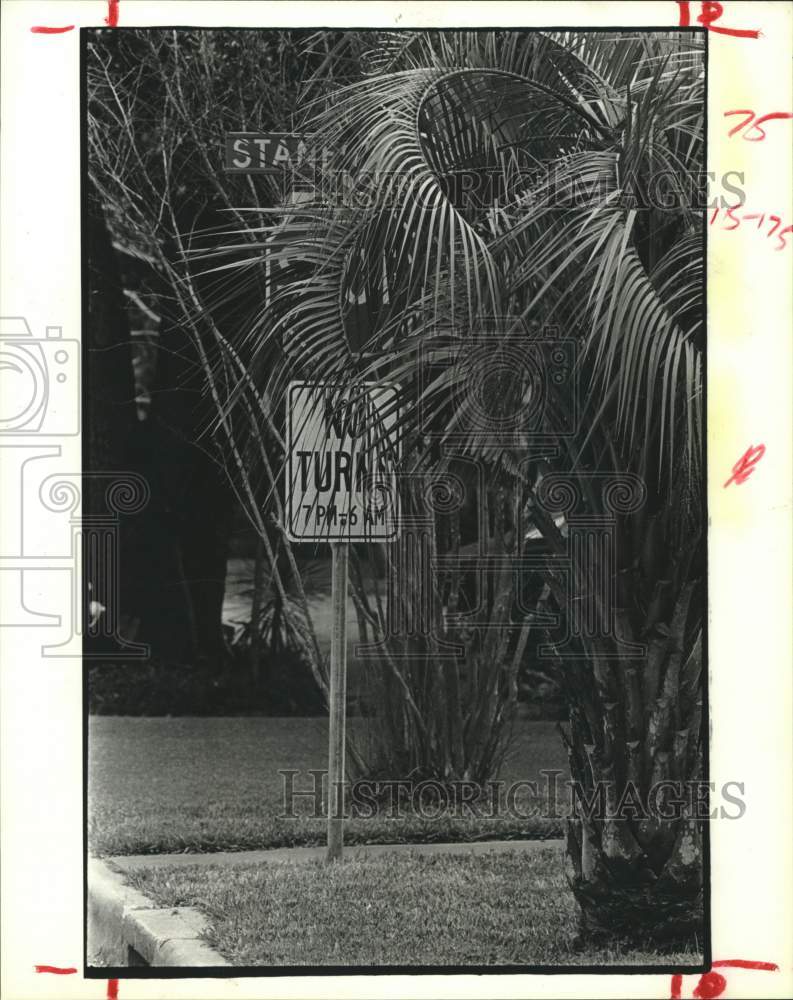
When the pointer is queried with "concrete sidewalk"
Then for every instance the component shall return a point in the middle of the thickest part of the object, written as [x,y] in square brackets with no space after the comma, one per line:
[280,855]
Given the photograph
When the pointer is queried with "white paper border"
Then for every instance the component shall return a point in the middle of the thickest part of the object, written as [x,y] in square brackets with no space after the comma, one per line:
[749,390]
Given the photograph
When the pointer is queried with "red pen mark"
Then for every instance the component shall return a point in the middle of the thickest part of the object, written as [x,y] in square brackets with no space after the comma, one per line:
[781,237]
[743,124]
[712,984]
[744,467]
[39,29]
[742,963]
[711,12]
[772,116]
[733,218]
[112,989]
[737,219]
[111,20]
[56,970]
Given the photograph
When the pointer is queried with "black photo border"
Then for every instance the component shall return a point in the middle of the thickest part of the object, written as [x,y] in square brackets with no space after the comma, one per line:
[236,972]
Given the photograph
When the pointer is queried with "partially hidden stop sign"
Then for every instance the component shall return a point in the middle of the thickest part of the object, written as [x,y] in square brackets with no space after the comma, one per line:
[341,469]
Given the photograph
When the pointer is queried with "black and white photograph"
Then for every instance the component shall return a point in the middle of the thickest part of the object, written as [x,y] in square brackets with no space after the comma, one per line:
[395,483]
[395,504]
[394,515]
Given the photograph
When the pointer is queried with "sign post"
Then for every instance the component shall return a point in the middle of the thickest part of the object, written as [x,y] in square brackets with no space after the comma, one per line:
[341,488]
[337,700]
[335,477]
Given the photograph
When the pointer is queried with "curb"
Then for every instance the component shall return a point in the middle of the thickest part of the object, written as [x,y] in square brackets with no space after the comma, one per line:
[126,928]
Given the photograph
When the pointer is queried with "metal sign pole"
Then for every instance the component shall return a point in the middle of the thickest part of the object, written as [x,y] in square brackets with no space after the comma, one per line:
[337,701]
[323,506]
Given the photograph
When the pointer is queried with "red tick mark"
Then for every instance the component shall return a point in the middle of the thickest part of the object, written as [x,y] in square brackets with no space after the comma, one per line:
[112,989]
[111,21]
[56,970]
[741,471]
[742,963]
[677,986]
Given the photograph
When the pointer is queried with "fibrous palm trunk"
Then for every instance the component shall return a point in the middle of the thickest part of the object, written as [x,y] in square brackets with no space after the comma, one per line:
[631,671]
[634,840]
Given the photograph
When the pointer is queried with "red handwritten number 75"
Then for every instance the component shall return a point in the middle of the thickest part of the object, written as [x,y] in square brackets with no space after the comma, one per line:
[709,13]
[749,118]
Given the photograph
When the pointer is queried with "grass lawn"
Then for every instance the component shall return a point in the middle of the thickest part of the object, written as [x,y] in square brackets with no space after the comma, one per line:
[163,785]
[498,909]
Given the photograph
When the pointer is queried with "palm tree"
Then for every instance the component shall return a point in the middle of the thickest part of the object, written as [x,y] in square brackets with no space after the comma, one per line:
[512,194]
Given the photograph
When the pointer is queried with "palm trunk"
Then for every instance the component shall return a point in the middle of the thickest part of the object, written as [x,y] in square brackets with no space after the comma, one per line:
[631,674]
[635,873]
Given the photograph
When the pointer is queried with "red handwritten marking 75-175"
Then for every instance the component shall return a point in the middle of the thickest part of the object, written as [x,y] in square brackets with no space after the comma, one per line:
[750,217]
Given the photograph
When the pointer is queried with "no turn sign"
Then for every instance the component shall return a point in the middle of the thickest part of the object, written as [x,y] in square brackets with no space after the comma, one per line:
[341,468]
